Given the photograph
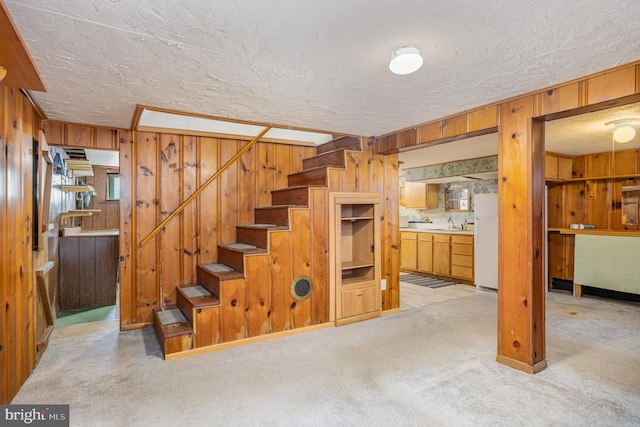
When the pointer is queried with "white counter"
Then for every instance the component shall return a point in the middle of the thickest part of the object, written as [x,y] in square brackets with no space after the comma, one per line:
[424,230]
[77,232]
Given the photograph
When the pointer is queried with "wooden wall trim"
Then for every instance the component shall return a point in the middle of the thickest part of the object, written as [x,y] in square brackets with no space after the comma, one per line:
[605,89]
[127,256]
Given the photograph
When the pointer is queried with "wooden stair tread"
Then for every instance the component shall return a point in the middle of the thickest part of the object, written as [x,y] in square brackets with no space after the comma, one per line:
[297,187]
[168,317]
[346,142]
[198,296]
[216,268]
[244,248]
[221,271]
[334,158]
[264,226]
[172,323]
[278,206]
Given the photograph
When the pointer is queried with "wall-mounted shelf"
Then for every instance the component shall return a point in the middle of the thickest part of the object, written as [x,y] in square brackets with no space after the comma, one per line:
[596,178]
[76,211]
[76,188]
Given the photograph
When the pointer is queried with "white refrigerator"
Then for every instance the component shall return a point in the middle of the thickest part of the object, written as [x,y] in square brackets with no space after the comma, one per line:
[485,251]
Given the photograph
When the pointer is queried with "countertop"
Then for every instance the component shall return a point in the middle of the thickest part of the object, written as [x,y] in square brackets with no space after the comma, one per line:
[92,233]
[593,231]
[436,231]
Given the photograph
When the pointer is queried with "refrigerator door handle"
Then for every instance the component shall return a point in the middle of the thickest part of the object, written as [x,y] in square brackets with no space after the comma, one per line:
[477,229]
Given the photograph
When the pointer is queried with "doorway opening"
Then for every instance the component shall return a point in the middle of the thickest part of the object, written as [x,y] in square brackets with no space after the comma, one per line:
[87,210]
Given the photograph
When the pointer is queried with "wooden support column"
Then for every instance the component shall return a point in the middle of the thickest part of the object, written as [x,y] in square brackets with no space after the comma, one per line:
[521,329]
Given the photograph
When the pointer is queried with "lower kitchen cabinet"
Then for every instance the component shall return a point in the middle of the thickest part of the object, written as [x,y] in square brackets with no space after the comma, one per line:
[425,253]
[442,255]
[88,272]
[462,257]
[446,255]
[409,250]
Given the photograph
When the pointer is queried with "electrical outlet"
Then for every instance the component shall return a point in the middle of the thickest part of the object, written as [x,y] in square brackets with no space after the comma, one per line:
[383,284]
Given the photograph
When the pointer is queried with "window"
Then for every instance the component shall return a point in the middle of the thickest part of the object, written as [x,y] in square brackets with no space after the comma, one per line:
[113,186]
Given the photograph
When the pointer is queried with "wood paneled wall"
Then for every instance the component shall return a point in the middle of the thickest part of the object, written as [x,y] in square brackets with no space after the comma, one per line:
[18,125]
[592,194]
[159,171]
[109,217]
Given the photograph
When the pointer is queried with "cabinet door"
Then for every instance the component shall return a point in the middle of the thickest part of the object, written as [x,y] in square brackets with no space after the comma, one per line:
[358,301]
[419,195]
[441,255]
[409,251]
[425,253]
[432,196]
[415,194]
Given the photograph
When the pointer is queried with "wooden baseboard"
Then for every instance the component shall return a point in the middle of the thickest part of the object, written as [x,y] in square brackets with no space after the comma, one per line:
[521,366]
[134,326]
[222,346]
[358,318]
[390,311]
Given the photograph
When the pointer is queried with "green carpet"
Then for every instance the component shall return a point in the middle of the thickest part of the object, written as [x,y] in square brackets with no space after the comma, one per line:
[73,317]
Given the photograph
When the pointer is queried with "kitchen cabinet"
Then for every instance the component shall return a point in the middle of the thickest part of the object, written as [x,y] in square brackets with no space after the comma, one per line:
[462,257]
[456,199]
[418,195]
[409,250]
[88,272]
[425,252]
[442,255]
[446,255]
[557,167]
[356,248]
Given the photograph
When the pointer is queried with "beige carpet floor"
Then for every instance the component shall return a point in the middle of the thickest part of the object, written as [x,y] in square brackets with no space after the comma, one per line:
[426,366]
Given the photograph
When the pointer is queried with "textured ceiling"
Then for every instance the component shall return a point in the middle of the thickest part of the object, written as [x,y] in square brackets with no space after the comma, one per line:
[312,64]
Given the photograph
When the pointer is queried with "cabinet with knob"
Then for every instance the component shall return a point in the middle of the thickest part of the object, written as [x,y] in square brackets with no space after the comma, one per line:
[356,251]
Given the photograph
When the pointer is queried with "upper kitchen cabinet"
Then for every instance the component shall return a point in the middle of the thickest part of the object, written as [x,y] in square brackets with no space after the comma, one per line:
[419,195]
[456,199]
[557,167]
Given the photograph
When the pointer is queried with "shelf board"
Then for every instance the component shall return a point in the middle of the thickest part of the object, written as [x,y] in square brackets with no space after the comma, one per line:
[356,218]
[599,178]
[350,265]
[76,188]
[351,280]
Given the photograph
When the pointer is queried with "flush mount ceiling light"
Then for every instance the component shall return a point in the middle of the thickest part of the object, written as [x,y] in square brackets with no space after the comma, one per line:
[405,60]
[624,131]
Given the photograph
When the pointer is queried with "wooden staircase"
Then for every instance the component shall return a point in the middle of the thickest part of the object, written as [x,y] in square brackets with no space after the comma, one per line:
[214,310]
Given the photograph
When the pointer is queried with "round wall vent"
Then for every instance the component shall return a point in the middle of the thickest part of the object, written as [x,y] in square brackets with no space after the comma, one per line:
[301,288]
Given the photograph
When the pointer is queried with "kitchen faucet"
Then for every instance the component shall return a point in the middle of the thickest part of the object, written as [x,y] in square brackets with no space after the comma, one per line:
[452,223]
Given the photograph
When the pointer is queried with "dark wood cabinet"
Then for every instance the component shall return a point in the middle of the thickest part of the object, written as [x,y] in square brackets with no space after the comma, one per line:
[88,272]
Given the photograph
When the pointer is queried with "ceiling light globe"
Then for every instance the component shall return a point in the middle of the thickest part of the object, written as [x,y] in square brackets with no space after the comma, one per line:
[624,134]
[405,60]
